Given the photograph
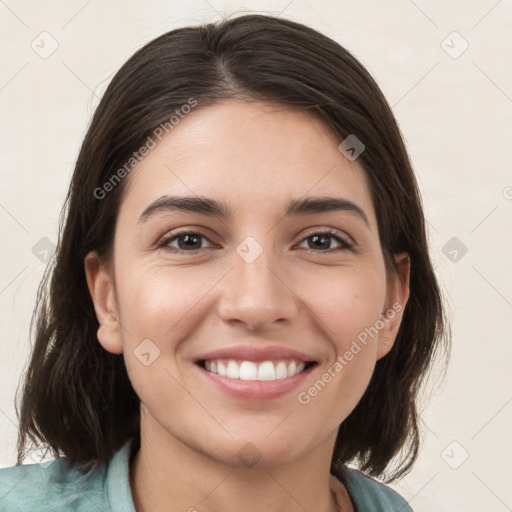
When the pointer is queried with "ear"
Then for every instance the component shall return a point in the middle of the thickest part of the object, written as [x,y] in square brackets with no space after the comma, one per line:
[397,298]
[101,287]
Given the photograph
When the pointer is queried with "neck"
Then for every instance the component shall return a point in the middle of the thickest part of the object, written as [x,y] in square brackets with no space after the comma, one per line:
[169,475]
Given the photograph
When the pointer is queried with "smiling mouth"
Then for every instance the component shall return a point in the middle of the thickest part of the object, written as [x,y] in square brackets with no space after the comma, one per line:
[260,371]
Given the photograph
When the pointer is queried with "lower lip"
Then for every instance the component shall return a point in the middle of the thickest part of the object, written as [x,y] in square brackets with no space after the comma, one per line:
[256,389]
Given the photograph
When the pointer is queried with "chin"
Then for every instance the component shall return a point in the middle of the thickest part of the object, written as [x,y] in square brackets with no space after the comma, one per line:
[260,451]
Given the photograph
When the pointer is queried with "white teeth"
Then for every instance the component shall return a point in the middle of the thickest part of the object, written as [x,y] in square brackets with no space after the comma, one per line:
[221,369]
[266,371]
[233,371]
[248,370]
[281,371]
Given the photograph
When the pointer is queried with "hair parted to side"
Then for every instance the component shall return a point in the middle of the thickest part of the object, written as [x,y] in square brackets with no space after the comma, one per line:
[76,398]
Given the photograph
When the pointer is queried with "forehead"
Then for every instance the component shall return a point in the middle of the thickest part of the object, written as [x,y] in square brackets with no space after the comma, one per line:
[249,155]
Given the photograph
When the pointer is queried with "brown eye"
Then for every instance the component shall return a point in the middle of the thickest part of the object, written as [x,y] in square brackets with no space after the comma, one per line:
[322,241]
[186,241]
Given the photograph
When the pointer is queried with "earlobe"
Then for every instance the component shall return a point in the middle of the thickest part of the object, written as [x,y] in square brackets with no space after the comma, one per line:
[398,296]
[101,289]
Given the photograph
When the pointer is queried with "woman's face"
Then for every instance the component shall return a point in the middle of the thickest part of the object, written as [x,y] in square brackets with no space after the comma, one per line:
[246,285]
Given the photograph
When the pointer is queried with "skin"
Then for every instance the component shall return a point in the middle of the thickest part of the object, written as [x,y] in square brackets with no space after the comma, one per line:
[256,157]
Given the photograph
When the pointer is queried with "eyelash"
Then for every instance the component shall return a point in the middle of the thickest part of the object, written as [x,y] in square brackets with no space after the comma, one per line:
[344,244]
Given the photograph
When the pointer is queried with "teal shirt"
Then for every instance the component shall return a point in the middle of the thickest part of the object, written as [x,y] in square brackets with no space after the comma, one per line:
[57,486]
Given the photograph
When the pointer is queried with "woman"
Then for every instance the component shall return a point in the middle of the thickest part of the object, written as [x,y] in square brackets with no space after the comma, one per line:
[242,300]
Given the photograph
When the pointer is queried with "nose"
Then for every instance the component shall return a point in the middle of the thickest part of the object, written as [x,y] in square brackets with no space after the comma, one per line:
[258,295]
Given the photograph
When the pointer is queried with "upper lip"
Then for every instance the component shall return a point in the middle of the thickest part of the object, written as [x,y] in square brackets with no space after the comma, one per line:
[256,354]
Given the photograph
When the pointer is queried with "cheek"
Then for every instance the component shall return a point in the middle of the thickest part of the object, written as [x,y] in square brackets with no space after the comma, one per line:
[160,307]
[157,300]
[346,312]
[346,303]
[162,310]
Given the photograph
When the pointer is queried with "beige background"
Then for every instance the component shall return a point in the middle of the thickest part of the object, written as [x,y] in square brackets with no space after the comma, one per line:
[455,110]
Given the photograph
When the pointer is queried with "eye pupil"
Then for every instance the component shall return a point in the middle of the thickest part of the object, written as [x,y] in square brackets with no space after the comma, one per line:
[194,238]
[326,241]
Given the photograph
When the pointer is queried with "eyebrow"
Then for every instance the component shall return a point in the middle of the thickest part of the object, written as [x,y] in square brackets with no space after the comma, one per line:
[214,208]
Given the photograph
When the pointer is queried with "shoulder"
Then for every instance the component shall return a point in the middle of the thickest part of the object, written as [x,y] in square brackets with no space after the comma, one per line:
[58,486]
[54,485]
[369,495]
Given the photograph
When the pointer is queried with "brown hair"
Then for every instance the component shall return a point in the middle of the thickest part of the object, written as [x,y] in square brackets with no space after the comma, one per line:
[77,399]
